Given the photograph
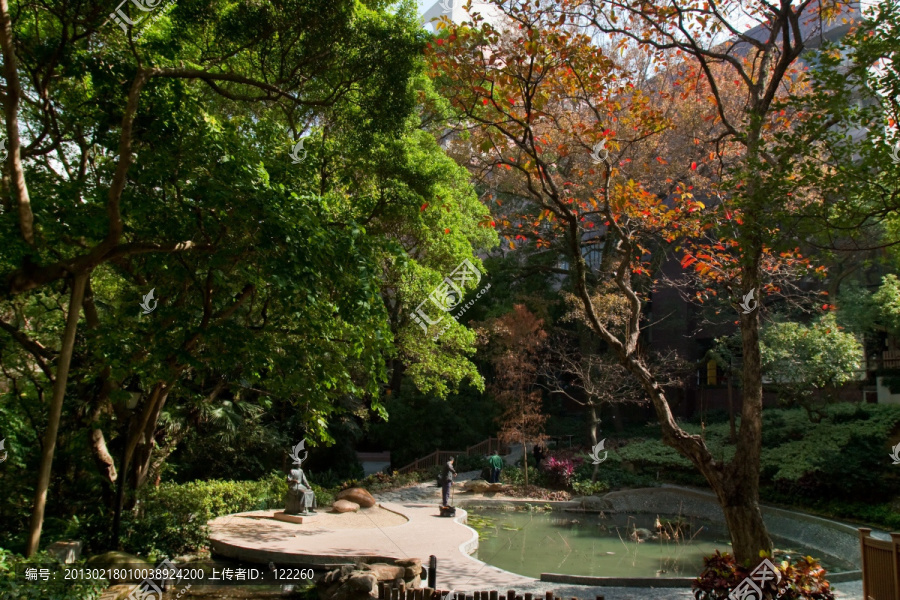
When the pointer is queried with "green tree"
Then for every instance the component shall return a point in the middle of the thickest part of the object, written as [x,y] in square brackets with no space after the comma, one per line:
[809,363]
[159,158]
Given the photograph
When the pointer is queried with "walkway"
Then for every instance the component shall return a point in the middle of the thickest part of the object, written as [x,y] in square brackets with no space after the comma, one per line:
[255,537]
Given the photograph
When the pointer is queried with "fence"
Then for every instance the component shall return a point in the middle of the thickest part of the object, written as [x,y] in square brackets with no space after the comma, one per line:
[439,457]
[387,592]
[880,566]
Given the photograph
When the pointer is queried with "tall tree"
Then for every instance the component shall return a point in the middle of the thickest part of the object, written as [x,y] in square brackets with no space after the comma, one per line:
[103,174]
[517,344]
[573,134]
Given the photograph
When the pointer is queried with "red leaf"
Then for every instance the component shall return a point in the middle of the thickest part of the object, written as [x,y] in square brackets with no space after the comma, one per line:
[446,231]
[424,206]
[693,166]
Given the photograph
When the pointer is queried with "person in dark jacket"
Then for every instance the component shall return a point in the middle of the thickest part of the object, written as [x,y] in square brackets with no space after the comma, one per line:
[446,481]
[539,453]
[496,465]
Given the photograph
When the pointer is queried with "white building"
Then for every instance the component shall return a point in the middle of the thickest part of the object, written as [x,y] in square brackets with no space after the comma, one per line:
[455,11]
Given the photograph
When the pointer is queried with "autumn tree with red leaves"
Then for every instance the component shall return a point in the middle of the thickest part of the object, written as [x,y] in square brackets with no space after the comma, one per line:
[561,135]
[517,340]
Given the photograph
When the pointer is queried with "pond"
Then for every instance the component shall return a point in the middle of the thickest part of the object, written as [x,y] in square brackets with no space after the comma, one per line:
[531,543]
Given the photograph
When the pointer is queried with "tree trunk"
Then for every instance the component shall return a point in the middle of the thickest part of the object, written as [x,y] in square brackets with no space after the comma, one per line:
[56,402]
[135,433]
[595,421]
[736,484]
[732,431]
[738,496]
[525,461]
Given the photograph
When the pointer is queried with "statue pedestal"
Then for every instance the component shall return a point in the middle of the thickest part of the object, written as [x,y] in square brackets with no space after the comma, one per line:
[298,519]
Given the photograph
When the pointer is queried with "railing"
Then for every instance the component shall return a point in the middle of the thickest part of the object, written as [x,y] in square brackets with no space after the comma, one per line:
[439,457]
[880,566]
[890,359]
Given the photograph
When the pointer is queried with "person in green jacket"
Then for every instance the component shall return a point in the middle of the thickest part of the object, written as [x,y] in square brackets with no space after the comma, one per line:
[496,464]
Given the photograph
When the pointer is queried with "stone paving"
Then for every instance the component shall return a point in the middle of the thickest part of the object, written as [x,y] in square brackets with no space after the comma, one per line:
[427,492]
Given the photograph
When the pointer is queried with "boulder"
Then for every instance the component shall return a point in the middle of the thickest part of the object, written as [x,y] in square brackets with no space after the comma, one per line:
[118,560]
[363,582]
[596,504]
[358,495]
[344,506]
[412,567]
[358,586]
[386,572]
[65,552]
[360,582]
[496,487]
[477,485]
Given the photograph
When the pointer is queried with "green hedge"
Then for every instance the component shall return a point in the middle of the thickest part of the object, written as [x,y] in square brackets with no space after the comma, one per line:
[172,519]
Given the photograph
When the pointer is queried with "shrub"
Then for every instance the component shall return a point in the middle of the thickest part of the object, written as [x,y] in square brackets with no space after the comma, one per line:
[172,519]
[465,462]
[13,584]
[516,476]
[803,580]
[590,488]
[560,473]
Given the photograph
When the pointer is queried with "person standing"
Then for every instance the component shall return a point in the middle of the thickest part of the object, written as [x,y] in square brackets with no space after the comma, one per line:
[539,454]
[496,464]
[447,474]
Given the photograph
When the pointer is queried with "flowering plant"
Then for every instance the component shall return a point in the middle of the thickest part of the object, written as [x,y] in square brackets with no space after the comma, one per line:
[560,472]
[802,580]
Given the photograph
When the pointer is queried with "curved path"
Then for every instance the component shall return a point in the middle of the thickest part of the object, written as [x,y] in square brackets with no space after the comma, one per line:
[257,537]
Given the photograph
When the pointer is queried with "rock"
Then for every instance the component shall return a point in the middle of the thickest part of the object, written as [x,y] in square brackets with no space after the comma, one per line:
[65,552]
[496,487]
[359,496]
[477,486]
[118,560]
[343,506]
[409,562]
[385,572]
[363,582]
[360,582]
[596,503]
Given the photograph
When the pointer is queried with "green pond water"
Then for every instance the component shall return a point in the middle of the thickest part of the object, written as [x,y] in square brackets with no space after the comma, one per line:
[531,543]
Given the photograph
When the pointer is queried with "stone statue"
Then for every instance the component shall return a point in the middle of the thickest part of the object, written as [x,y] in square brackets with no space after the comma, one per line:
[300,498]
